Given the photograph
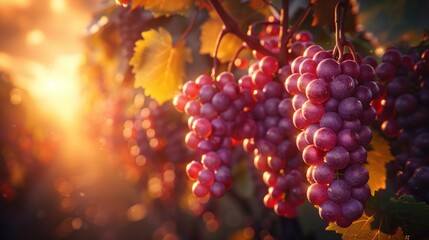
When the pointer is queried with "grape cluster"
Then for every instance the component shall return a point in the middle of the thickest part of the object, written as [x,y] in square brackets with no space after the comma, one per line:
[405,115]
[256,112]
[332,111]
[272,145]
[156,133]
[130,23]
[215,110]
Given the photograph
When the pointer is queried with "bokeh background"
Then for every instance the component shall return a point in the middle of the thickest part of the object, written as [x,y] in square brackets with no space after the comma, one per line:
[66,171]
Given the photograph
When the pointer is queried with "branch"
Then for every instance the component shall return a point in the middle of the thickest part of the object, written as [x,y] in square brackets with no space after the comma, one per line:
[300,21]
[284,27]
[188,29]
[215,60]
[231,26]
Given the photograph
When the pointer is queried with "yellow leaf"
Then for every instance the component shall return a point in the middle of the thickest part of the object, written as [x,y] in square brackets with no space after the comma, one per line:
[377,159]
[209,34]
[164,7]
[261,6]
[361,230]
[159,67]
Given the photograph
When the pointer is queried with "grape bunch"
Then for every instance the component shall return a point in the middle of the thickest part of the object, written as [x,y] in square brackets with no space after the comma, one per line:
[130,24]
[156,133]
[332,110]
[405,116]
[272,142]
[215,110]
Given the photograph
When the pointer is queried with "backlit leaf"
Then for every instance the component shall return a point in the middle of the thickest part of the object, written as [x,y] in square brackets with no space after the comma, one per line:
[209,34]
[361,230]
[377,159]
[159,67]
[164,7]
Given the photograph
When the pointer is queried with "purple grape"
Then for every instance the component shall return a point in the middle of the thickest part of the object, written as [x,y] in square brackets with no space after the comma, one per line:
[330,211]
[309,132]
[273,90]
[332,120]
[354,125]
[325,139]
[331,105]
[311,112]
[298,100]
[217,190]
[319,56]
[352,209]
[312,155]
[350,108]
[358,156]
[356,175]
[220,101]
[406,104]
[206,93]
[364,95]
[304,80]
[342,86]
[338,158]
[318,91]
[323,174]
[206,177]
[211,160]
[385,72]
[317,193]
[366,73]
[351,68]
[339,191]
[361,193]
[348,139]
[328,69]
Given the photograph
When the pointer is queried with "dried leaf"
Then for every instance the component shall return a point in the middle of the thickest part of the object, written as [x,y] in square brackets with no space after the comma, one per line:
[377,159]
[164,7]
[159,67]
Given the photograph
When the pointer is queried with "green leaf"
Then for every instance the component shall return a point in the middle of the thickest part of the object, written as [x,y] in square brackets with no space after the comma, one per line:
[390,213]
[377,159]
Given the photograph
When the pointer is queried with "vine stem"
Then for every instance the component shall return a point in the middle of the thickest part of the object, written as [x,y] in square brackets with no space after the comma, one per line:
[300,21]
[340,38]
[284,27]
[215,60]
[231,26]
[188,29]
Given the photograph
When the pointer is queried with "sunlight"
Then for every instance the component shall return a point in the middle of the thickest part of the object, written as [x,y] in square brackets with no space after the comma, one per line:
[56,87]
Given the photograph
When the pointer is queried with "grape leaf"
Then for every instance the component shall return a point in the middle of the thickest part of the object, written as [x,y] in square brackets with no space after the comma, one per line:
[164,7]
[159,65]
[361,230]
[377,159]
[209,34]
[405,212]
[260,6]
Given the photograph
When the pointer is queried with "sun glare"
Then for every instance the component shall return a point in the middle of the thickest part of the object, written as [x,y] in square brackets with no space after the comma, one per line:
[56,87]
